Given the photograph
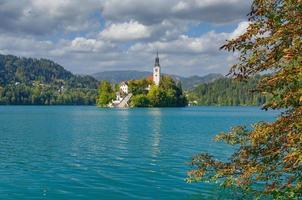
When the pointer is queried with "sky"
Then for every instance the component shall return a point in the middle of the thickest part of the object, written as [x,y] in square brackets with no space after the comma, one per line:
[89,36]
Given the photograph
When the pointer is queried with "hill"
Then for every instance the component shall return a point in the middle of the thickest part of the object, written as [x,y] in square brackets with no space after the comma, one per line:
[227,92]
[42,81]
[187,82]
[119,76]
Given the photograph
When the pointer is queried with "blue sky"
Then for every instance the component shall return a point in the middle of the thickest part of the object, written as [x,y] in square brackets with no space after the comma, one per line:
[101,35]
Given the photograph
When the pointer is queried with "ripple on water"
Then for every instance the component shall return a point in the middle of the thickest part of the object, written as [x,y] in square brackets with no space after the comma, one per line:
[91,153]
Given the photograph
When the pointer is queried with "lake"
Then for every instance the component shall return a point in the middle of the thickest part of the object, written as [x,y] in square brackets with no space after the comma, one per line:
[84,152]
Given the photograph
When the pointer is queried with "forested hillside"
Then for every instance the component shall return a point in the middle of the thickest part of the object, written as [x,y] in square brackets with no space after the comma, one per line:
[227,92]
[26,81]
[191,82]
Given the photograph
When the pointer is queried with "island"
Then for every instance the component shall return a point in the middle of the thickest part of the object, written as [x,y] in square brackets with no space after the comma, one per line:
[155,90]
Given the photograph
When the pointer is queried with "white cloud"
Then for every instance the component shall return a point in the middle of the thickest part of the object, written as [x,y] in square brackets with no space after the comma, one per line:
[241,29]
[43,17]
[95,35]
[155,11]
[208,43]
[87,45]
[126,31]
[24,46]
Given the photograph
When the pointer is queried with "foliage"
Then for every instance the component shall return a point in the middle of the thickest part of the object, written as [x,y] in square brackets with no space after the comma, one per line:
[189,83]
[146,94]
[140,100]
[228,92]
[167,94]
[106,94]
[27,81]
[26,70]
[156,96]
[268,157]
[23,94]
[139,86]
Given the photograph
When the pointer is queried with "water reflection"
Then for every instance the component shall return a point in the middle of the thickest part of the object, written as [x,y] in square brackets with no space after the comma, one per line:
[122,127]
[156,131]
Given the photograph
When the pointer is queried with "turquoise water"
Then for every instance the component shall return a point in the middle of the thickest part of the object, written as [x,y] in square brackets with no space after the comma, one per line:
[90,153]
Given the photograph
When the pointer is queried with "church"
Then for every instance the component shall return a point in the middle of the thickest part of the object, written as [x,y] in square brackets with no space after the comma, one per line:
[156,72]
[124,92]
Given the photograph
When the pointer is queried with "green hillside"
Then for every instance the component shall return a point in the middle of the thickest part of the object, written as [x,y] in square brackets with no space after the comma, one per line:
[25,81]
[227,92]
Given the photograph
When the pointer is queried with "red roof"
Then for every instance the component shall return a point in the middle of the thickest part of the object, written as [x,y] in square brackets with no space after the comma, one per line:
[150,78]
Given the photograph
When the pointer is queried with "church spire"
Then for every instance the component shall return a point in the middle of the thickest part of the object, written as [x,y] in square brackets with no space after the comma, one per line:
[156,70]
[157,60]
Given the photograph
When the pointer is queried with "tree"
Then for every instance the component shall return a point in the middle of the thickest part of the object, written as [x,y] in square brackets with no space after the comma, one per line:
[167,94]
[226,91]
[155,96]
[106,93]
[268,158]
[39,82]
[140,100]
[139,86]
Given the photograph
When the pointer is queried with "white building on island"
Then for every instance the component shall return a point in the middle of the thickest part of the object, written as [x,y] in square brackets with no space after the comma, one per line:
[124,87]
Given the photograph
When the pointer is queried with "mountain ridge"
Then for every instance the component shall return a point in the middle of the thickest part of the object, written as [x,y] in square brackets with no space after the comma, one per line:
[118,76]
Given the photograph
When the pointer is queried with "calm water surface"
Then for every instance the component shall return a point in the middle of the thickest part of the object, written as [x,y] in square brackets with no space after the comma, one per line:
[90,153]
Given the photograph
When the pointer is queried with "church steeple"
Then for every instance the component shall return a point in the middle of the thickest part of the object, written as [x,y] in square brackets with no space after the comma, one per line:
[157,60]
[156,70]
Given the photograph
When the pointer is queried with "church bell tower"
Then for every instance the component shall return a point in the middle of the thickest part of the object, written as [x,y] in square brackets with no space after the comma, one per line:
[156,71]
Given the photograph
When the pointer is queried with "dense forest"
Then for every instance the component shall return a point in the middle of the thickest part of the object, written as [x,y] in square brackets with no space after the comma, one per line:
[26,81]
[167,94]
[227,92]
